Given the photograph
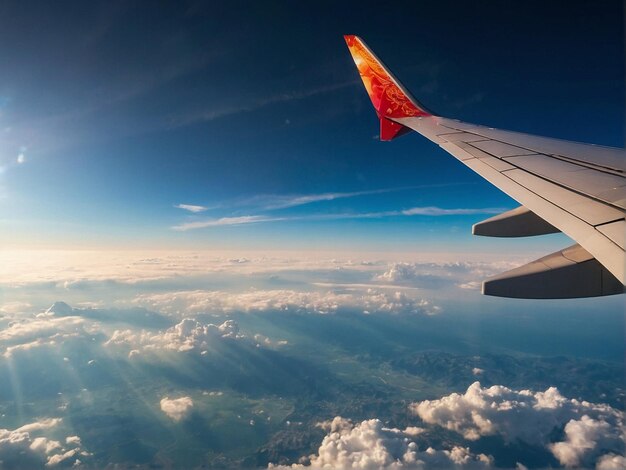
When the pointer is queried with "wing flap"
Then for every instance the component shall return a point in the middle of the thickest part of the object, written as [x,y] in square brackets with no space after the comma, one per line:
[570,273]
[519,222]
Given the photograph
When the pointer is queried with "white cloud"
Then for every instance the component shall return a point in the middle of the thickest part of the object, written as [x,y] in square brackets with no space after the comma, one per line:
[370,446]
[265,341]
[241,220]
[38,327]
[58,458]
[21,158]
[368,301]
[590,429]
[611,462]
[438,211]
[45,446]
[471,285]
[15,307]
[439,275]
[56,325]
[24,444]
[413,431]
[401,272]
[187,335]
[39,425]
[73,440]
[273,201]
[396,272]
[409,273]
[37,343]
[191,207]
[177,408]
[67,269]
[42,330]
[269,202]
[260,218]
[581,437]
[59,309]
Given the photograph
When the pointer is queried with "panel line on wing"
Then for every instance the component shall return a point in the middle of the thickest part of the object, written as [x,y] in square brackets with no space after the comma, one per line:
[561,170]
[577,202]
[618,170]
[570,177]
[612,239]
[612,202]
[607,251]
[609,222]
[588,210]
[569,208]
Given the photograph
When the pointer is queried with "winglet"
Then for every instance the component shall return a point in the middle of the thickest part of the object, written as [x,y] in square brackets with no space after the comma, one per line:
[390,99]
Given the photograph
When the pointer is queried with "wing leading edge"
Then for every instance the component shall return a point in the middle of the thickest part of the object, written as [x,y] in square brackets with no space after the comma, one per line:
[578,189]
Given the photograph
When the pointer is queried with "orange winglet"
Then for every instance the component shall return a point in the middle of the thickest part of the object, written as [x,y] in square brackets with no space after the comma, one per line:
[388,96]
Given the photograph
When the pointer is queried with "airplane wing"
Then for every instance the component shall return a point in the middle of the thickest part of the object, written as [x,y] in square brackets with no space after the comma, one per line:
[574,188]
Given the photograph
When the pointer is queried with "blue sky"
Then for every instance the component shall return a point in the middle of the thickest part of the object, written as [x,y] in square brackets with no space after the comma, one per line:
[259,258]
[123,111]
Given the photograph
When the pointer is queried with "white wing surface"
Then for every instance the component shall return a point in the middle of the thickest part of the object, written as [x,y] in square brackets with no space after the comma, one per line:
[578,189]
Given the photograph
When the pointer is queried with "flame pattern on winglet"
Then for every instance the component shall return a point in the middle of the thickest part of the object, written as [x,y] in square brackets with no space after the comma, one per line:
[389,100]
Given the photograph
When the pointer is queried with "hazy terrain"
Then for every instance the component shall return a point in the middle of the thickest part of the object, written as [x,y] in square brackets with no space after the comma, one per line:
[192,359]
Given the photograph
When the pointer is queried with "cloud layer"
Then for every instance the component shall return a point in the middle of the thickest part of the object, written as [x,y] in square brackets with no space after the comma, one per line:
[28,444]
[369,301]
[369,446]
[429,211]
[68,271]
[44,329]
[188,335]
[590,430]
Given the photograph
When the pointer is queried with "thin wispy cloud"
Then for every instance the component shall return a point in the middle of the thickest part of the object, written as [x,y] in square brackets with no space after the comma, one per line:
[430,211]
[274,202]
[270,202]
[223,221]
[191,207]
[436,211]
[211,114]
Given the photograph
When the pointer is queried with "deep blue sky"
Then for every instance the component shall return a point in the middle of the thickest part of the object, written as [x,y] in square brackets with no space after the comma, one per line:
[123,110]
